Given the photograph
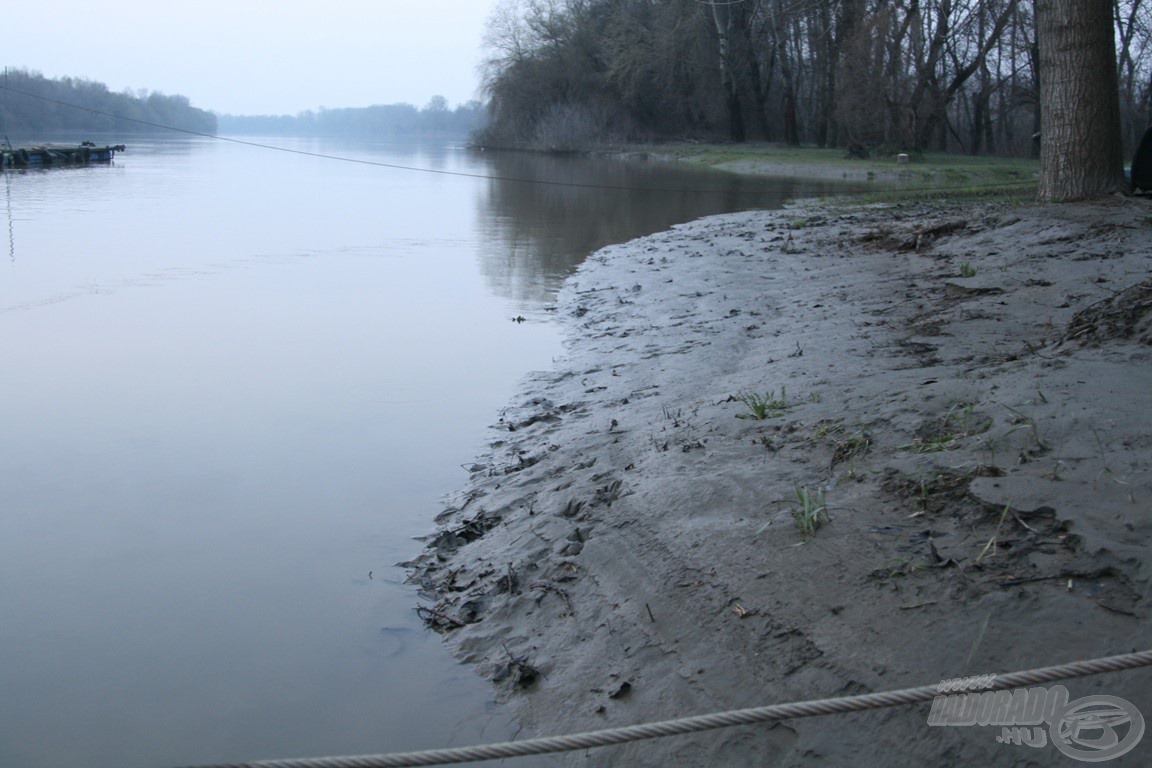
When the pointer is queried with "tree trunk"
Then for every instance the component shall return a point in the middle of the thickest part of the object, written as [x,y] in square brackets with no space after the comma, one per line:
[1081,151]
[824,70]
[791,131]
[722,17]
[760,83]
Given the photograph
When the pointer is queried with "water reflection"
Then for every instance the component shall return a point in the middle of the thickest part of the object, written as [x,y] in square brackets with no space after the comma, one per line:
[11,228]
[235,382]
[542,215]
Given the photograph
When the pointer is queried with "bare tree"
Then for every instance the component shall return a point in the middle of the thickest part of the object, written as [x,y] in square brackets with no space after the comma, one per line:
[727,16]
[1081,151]
[898,75]
[1132,27]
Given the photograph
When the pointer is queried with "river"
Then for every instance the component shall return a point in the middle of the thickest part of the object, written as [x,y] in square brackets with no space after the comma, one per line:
[234,383]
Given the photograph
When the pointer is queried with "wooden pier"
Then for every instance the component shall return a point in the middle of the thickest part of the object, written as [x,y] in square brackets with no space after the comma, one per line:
[43,155]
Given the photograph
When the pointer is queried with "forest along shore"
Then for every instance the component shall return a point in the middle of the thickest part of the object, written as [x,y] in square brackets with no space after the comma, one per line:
[818,452]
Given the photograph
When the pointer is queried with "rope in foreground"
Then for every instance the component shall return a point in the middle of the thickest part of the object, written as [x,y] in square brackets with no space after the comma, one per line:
[698,723]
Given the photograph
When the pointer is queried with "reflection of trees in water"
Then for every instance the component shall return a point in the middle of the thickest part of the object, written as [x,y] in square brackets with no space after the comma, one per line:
[535,234]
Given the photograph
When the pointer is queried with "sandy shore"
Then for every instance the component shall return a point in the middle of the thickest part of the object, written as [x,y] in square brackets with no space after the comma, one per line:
[969,388]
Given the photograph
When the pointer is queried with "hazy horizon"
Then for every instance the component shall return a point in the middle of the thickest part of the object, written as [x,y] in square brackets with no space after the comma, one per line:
[261,58]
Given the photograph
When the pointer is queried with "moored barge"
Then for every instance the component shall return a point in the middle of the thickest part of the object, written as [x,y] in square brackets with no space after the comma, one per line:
[57,154]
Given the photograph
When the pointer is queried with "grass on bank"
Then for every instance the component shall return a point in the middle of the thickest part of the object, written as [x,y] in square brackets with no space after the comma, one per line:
[764,406]
[926,166]
[809,511]
[926,175]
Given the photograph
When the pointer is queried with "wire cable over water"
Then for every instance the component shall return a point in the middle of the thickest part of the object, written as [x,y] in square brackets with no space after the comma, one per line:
[339,158]
[439,171]
[699,723]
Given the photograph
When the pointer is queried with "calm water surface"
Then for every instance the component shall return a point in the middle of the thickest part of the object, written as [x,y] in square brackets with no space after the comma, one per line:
[234,384]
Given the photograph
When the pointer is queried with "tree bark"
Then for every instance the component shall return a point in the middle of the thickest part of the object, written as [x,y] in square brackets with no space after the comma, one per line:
[722,16]
[779,34]
[1081,150]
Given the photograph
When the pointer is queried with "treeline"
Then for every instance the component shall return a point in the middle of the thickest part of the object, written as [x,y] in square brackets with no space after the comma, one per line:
[383,120]
[901,75]
[31,104]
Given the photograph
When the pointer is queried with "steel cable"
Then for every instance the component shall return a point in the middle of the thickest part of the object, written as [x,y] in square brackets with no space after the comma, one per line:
[698,723]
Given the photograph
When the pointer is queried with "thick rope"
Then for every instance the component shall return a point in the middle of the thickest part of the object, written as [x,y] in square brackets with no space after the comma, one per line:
[701,722]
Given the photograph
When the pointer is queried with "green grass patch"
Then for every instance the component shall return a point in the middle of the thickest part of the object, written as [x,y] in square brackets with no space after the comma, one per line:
[810,511]
[934,174]
[764,406]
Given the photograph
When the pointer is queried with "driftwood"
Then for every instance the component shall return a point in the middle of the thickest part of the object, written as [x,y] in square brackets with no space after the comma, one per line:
[914,240]
[1121,316]
[437,620]
[936,230]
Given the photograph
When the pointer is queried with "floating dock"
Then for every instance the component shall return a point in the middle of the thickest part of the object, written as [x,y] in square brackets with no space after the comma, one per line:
[57,154]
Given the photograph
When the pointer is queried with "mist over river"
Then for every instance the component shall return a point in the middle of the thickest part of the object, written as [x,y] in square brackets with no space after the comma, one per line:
[234,384]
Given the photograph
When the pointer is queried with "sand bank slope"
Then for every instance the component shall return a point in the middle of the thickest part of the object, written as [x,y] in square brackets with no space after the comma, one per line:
[628,549]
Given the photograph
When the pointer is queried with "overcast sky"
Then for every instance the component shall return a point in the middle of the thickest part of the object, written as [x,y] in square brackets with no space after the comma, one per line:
[258,56]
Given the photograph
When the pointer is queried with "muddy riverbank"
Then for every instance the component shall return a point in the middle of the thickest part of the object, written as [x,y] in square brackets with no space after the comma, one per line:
[965,390]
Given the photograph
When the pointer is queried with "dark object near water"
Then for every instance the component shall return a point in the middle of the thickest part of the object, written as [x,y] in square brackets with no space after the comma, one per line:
[857,151]
[1142,163]
[53,154]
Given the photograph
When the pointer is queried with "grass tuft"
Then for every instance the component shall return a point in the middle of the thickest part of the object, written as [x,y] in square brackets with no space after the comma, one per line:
[957,424]
[765,406]
[810,512]
[990,548]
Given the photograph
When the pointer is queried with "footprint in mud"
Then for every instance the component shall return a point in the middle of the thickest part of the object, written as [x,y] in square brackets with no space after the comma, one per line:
[573,543]
[609,493]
